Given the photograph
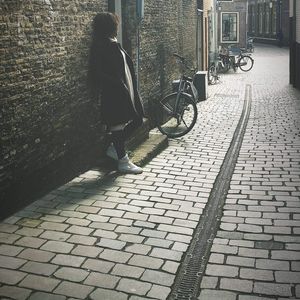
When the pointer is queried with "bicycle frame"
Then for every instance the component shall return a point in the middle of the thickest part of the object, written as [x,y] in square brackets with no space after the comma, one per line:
[186,86]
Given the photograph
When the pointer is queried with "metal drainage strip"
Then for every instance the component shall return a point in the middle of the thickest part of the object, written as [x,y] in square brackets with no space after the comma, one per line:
[188,279]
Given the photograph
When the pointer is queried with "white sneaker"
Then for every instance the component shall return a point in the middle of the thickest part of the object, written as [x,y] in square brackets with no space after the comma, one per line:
[126,166]
[111,152]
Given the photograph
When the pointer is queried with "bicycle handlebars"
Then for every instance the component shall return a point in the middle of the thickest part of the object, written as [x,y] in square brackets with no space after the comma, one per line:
[183,62]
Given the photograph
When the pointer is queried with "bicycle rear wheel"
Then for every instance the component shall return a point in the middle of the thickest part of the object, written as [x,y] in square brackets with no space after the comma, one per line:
[245,63]
[176,123]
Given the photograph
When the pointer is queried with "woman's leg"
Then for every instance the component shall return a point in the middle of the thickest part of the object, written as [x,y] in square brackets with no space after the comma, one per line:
[131,127]
[124,164]
[118,141]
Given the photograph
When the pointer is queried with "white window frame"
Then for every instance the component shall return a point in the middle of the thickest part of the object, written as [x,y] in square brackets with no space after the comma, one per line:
[237,27]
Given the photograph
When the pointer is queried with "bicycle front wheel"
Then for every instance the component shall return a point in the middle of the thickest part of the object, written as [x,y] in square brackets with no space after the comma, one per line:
[245,63]
[176,119]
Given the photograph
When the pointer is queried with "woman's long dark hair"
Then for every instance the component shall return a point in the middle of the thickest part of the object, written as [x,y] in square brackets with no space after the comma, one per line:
[104,26]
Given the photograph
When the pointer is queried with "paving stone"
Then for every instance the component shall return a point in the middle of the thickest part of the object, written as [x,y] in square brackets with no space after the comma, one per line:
[105,226]
[78,222]
[236,285]
[285,255]
[133,286]
[259,237]
[180,247]
[272,289]
[277,230]
[55,235]
[56,246]
[98,265]
[75,290]
[115,256]
[104,294]
[131,238]
[207,294]
[159,292]
[253,252]
[221,270]
[216,258]
[112,244]
[89,251]
[71,274]
[139,249]
[250,228]
[171,267]
[81,239]
[298,290]
[295,265]
[240,261]
[127,271]
[14,292]
[68,260]
[28,231]
[158,277]
[224,249]
[39,283]
[83,230]
[154,233]
[166,254]
[10,250]
[36,255]
[158,242]
[53,226]
[160,219]
[11,277]
[39,268]
[209,282]
[97,218]
[247,297]
[262,275]
[11,262]
[102,280]
[287,277]
[135,216]
[146,261]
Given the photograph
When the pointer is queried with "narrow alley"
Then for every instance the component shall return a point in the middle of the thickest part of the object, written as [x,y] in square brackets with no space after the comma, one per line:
[215,215]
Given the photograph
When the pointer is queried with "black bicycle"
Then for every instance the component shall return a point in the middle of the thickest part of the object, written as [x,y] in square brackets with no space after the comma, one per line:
[235,60]
[176,114]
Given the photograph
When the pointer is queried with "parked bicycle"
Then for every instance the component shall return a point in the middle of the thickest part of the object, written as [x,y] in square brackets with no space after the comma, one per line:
[176,114]
[235,58]
[213,74]
[250,45]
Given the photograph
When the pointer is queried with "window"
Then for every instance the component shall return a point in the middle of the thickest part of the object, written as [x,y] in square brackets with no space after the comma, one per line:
[229,27]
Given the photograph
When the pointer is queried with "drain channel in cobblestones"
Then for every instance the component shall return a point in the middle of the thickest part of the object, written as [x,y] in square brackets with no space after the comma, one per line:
[188,279]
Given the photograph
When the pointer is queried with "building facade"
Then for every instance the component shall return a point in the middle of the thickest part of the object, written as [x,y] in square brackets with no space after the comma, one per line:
[50,130]
[268,21]
[232,22]
[295,43]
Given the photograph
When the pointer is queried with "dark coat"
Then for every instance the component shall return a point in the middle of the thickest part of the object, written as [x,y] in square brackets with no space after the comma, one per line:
[116,103]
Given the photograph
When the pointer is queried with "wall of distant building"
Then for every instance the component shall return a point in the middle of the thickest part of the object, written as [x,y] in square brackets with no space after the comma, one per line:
[268,21]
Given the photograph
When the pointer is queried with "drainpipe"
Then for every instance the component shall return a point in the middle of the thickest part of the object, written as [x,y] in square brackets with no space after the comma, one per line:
[140,16]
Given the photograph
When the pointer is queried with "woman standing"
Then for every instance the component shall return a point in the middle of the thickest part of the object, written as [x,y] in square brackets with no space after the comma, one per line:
[112,78]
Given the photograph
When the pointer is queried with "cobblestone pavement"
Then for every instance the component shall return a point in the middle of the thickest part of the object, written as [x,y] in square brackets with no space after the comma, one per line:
[104,236]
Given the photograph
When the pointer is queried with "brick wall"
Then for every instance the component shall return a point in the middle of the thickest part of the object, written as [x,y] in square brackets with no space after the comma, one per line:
[49,128]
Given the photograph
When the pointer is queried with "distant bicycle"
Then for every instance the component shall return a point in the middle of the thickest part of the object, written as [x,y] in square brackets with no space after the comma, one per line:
[250,45]
[213,74]
[176,114]
[235,58]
